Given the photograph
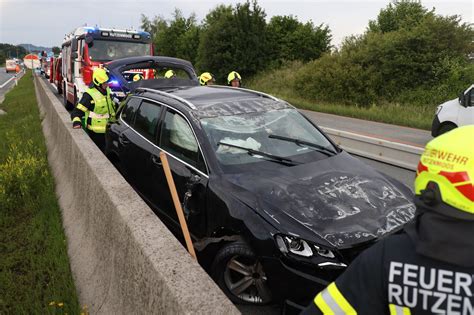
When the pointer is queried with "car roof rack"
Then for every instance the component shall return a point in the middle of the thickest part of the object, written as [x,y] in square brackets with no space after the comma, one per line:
[246,90]
[180,99]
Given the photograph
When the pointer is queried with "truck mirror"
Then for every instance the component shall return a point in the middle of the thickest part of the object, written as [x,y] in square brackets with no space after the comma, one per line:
[89,40]
[74,44]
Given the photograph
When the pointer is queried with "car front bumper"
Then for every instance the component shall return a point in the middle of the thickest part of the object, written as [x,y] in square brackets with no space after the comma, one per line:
[296,284]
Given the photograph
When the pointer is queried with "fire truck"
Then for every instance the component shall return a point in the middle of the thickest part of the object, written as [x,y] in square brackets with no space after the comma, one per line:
[87,48]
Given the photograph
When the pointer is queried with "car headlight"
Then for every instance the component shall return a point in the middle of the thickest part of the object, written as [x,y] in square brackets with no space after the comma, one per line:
[297,246]
[438,109]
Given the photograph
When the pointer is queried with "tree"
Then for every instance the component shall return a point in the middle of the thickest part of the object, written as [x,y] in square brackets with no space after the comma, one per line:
[292,40]
[400,14]
[234,39]
[56,50]
[178,37]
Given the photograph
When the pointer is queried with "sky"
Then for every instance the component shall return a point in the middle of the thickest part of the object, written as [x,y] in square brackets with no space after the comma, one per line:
[45,22]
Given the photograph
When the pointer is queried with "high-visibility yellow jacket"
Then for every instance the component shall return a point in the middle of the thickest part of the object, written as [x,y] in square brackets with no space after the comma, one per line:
[97,108]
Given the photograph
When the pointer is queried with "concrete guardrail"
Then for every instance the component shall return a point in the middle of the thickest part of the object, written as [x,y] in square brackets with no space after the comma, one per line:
[394,153]
[123,259]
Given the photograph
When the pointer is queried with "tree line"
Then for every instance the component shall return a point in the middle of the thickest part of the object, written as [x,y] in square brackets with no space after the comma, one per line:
[8,51]
[237,38]
[407,55]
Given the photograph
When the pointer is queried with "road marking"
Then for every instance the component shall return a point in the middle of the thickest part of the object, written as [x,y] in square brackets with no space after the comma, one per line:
[1,86]
[412,144]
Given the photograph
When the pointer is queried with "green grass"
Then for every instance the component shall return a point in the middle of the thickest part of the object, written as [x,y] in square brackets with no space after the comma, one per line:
[278,83]
[34,266]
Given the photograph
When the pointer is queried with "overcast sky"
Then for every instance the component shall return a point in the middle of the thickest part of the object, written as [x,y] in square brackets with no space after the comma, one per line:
[45,22]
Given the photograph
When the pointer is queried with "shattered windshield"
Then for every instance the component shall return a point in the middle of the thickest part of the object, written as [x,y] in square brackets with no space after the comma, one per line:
[107,50]
[256,131]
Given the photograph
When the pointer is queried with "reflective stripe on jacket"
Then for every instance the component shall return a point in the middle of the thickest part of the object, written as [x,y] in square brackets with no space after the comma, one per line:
[97,118]
[392,278]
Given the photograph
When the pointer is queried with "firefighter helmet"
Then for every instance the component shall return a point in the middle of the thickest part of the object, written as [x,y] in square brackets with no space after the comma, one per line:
[206,78]
[445,174]
[234,75]
[100,76]
[170,74]
[137,77]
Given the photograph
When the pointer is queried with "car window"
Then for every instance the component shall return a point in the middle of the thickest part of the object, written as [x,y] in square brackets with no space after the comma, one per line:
[177,138]
[255,130]
[128,113]
[146,120]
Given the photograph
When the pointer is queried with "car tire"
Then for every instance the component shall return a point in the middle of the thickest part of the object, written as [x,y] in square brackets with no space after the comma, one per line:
[446,127]
[240,275]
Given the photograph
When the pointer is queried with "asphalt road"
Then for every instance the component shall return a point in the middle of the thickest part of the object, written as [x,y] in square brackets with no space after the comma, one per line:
[406,135]
[4,77]
[388,132]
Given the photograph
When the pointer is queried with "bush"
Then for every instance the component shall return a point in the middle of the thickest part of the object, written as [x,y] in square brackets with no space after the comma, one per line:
[21,175]
[418,63]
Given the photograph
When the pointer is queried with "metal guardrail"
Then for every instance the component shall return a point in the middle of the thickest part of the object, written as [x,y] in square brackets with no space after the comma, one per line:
[394,153]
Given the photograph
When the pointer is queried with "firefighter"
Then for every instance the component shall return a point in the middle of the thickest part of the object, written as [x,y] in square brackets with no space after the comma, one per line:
[137,77]
[234,79]
[206,79]
[97,108]
[170,74]
[429,268]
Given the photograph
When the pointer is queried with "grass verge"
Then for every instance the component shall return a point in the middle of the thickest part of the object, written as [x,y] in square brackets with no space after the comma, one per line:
[279,83]
[35,276]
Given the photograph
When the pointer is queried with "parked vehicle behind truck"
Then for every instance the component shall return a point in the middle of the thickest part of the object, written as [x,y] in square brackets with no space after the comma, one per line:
[10,65]
[454,113]
[56,74]
[87,48]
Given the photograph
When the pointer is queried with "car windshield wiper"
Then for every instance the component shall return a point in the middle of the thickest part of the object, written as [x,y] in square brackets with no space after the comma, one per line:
[274,158]
[318,147]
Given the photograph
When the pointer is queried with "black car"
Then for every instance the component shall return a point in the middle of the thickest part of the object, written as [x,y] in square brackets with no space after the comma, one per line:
[276,210]
[152,70]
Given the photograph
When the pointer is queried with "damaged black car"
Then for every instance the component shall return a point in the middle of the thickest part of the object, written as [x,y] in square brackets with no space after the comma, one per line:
[276,210]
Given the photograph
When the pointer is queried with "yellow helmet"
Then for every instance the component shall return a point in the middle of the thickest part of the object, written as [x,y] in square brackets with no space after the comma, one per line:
[446,173]
[137,77]
[206,78]
[99,76]
[170,74]
[232,76]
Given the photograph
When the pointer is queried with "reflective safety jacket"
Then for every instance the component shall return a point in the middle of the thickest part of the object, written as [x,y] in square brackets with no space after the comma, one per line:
[97,108]
[392,278]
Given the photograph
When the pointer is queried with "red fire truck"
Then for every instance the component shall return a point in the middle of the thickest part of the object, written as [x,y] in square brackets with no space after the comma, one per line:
[56,77]
[87,48]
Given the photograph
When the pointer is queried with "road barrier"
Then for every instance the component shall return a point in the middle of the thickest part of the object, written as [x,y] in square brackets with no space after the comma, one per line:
[394,153]
[124,260]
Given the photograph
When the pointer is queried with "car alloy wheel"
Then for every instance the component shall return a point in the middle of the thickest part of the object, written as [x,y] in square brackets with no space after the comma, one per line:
[240,275]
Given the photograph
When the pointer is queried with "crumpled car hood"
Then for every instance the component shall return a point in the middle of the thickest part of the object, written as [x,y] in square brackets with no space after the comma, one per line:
[338,200]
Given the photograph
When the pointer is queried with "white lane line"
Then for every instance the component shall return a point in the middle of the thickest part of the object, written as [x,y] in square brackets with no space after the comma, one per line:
[1,86]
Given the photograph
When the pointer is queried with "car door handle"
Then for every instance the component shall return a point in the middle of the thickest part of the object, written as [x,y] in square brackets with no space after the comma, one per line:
[123,140]
[156,160]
